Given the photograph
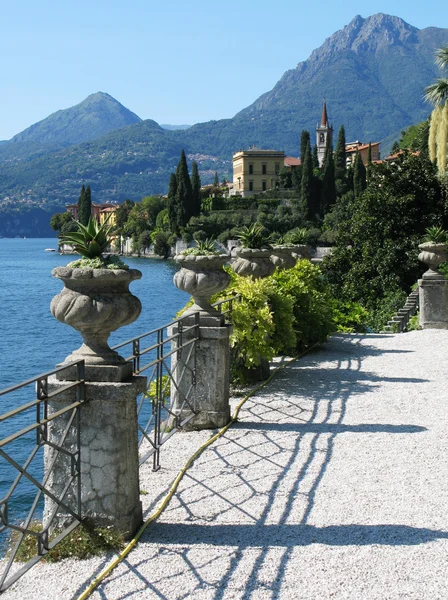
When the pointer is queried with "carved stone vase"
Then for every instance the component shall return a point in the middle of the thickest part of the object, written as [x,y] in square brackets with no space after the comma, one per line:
[282,257]
[201,277]
[433,255]
[96,302]
[254,262]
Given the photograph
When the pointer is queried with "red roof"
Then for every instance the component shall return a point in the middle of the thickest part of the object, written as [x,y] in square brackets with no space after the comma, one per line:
[290,161]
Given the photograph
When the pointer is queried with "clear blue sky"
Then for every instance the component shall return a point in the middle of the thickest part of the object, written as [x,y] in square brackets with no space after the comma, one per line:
[173,61]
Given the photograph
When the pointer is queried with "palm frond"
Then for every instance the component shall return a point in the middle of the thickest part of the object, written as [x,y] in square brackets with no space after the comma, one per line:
[442,57]
[437,92]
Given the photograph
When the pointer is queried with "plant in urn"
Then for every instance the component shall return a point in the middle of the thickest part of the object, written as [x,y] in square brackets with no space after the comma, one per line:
[433,251]
[202,275]
[96,300]
[254,256]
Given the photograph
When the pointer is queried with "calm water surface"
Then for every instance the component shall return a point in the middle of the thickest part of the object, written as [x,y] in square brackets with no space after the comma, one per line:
[32,341]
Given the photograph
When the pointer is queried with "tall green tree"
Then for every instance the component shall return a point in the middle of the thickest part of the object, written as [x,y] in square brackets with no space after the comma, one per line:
[340,159]
[359,176]
[196,189]
[305,141]
[306,185]
[81,206]
[328,191]
[216,180]
[315,157]
[184,194]
[172,203]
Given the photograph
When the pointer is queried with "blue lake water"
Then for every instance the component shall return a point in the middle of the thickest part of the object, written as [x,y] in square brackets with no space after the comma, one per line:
[32,341]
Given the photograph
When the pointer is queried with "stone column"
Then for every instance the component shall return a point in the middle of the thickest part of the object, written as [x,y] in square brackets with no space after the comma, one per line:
[208,367]
[108,453]
[433,291]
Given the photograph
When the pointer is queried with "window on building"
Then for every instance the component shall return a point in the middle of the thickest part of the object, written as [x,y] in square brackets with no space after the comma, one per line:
[251,169]
[277,168]
[251,186]
[263,186]
[263,169]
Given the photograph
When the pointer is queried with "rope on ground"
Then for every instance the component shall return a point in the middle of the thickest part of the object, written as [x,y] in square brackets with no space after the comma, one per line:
[166,500]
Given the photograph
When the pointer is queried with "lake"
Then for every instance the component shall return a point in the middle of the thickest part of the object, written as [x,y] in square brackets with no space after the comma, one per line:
[32,341]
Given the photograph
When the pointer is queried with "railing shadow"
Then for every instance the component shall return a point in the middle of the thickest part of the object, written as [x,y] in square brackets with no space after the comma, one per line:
[255,488]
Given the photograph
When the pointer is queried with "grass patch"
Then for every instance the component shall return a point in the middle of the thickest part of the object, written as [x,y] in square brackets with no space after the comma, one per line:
[82,543]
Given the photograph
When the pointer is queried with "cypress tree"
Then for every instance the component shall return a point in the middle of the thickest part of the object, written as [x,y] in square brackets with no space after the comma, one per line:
[359,176]
[172,203]
[84,205]
[306,184]
[216,180]
[305,140]
[315,157]
[340,159]
[328,193]
[80,201]
[196,188]
[184,195]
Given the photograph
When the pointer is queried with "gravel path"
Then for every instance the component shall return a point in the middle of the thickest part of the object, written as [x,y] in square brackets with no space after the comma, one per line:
[334,484]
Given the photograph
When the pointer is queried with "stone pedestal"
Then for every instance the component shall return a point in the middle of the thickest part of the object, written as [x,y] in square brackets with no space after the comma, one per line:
[433,291]
[109,468]
[210,367]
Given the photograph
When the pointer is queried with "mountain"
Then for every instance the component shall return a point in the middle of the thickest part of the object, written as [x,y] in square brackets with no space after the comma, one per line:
[95,116]
[372,73]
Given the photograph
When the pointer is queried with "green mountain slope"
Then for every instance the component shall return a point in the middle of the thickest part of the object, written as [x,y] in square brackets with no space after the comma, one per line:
[95,116]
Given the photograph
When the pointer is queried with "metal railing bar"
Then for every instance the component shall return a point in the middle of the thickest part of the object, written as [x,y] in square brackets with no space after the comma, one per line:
[22,384]
[35,426]
[6,583]
[36,483]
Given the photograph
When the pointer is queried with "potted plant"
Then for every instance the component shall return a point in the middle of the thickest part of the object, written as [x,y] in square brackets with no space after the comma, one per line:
[296,241]
[254,256]
[96,299]
[433,251]
[202,275]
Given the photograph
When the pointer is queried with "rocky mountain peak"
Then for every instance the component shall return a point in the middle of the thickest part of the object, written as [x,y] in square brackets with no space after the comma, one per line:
[372,34]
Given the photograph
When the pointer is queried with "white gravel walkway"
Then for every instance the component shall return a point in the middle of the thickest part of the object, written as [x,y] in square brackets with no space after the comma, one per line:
[334,484]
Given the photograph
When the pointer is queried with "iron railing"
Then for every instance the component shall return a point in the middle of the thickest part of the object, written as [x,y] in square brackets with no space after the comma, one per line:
[31,431]
[167,356]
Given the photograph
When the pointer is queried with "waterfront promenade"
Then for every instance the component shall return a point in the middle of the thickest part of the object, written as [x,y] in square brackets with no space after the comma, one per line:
[333,484]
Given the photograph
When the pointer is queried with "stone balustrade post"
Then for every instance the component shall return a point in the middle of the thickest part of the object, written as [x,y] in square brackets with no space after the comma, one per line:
[201,375]
[433,293]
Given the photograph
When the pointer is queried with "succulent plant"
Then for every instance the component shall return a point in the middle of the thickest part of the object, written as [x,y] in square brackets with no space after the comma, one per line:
[253,237]
[202,248]
[436,235]
[90,240]
[296,236]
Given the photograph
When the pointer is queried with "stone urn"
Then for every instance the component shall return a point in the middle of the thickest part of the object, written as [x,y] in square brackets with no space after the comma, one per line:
[433,254]
[252,261]
[282,257]
[96,302]
[201,276]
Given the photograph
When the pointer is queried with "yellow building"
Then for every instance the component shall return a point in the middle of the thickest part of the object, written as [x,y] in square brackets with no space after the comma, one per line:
[256,170]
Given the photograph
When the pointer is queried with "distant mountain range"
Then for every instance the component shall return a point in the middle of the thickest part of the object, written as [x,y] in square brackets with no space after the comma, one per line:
[372,74]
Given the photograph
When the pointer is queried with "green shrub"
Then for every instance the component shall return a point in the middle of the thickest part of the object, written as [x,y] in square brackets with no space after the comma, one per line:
[349,317]
[385,309]
[312,303]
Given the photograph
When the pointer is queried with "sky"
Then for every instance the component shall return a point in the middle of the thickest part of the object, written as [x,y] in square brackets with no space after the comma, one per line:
[177,62]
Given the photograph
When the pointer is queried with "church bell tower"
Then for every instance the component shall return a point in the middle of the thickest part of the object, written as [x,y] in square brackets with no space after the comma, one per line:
[324,135]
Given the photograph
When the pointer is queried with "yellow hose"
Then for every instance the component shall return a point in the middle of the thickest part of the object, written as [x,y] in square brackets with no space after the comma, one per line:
[164,503]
